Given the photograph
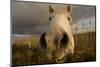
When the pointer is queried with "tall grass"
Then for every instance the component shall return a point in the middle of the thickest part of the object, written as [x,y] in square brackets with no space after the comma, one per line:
[23,54]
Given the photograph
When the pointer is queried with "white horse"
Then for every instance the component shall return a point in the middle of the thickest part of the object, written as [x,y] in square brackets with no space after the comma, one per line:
[58,40]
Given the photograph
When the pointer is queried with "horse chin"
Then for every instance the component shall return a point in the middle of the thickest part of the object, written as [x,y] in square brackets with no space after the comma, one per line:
[60,60]
[58,56]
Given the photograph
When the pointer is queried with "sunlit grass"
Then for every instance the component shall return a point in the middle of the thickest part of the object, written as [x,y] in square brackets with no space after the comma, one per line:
[26,51]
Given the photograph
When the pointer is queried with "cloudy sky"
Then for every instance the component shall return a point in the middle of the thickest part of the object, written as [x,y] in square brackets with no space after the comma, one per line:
[30,17]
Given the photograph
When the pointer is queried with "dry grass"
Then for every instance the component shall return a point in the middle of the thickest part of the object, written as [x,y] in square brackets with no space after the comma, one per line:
[85,47]
[23,54]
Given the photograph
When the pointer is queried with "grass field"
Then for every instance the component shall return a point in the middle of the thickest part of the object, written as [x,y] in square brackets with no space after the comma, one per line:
[25,51]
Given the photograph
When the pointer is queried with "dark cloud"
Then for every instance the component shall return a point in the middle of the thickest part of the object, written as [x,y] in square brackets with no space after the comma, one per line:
[30,17]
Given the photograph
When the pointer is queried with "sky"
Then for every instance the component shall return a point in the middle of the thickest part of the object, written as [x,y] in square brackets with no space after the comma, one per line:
[31,17]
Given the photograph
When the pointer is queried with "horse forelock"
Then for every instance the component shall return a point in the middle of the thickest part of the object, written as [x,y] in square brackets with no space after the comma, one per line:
[60,23]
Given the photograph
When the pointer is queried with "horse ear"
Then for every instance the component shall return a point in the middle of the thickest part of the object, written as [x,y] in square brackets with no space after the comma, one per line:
[43,44]
[69,8]
[51,10]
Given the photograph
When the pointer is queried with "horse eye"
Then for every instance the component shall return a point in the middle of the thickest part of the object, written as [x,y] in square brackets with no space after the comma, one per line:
[69,18]
[49,18]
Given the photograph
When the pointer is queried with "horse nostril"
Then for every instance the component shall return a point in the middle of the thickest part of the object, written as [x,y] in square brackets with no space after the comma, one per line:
[64,40]
[69,18]
[49,18]
[43,43]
